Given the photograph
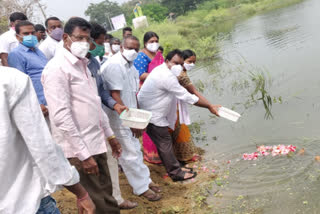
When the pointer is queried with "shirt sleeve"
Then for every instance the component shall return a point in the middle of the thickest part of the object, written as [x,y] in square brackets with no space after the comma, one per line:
[172,85]
[57,93]
[16,60]
[112,77]
[4,44]
[47,155]
[106,98]
[141,64]
[106,125]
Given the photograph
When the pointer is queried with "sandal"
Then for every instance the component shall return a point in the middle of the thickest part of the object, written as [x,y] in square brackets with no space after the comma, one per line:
[128,205]
[184,179]
[151,196]
[155,188]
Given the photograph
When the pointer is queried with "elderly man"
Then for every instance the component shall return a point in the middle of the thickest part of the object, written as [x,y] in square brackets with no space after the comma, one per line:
[97,49]
[8,40]
[121,77]
[29,59]
[78,122]
[159,94]
[33,165]
[54,31]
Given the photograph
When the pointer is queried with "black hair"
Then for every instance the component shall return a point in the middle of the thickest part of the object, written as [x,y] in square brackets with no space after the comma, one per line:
[171,54]
[188,53]
[39,27]
[130,38]
[49,19]
[161,48]
[97,30]
[108,36]
[21,24]
[113,40]
[126,29]
[148,35]
[76,22]
[17,16]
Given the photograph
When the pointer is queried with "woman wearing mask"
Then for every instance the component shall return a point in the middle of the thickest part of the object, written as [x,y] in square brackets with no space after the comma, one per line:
[183,145]
[149,58]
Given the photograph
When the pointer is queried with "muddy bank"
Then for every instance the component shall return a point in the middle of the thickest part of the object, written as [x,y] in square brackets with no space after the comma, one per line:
[189,197]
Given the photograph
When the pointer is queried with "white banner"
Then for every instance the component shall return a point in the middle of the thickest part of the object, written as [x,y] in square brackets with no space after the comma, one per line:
[119,22]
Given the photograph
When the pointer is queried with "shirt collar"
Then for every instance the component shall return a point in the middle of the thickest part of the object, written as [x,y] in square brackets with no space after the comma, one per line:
[73,59]
[25,48]
[124,61]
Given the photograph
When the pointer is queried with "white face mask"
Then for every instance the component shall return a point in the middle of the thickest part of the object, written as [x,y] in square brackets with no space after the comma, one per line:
[107,47]
[79,49]
[116,48]
[153,47]
[189,67]
[130,55]
[176,69]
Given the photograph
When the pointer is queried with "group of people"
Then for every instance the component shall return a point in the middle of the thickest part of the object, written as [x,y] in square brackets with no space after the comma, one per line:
[62,89]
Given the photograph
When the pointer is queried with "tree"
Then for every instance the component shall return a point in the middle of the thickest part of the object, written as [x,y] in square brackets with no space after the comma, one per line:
[180,7]
[103,12]
[155,11]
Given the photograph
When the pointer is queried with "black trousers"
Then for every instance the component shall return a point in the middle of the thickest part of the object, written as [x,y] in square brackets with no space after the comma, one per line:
[163,141]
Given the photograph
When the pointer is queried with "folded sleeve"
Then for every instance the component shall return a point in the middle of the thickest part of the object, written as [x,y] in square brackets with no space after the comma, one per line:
[57,93]
[47,155]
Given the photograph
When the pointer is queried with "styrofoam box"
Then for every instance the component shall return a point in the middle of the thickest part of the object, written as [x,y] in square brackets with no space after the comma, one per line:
[136,118]
[228,114]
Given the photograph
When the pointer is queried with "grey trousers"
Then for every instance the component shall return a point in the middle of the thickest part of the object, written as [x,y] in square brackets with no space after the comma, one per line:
[163,141]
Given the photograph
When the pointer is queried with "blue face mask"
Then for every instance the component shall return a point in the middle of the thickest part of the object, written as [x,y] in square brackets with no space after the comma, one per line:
[30,41]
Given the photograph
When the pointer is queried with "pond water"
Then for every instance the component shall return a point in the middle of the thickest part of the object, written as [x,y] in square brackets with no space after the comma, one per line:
[282,48]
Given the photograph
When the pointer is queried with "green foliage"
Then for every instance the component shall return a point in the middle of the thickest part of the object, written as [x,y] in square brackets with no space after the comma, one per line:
[155,11]
[3,24]
[182,6]
[101,12]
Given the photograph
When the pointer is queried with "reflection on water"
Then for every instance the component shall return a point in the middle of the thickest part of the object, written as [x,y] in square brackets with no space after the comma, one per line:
[268,63]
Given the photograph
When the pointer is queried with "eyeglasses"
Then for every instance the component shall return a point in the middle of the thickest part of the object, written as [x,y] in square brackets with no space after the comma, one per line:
[82,38]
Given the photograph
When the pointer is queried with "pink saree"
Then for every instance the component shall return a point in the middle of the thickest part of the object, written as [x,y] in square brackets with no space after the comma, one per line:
[150,152]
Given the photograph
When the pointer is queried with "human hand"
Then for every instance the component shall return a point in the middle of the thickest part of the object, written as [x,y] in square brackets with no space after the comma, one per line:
[44,110]
[214,109]
[137,133]
[85,205]
[119,108]
[90,166]
[116,147]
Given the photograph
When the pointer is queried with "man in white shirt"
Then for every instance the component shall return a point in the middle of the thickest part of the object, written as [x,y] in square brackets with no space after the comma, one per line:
[122,79]
[8,40]
[159,94]
[55,32]
[32,164]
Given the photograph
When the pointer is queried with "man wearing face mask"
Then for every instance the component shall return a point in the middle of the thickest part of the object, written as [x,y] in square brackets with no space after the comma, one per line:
[115,45]
[97,50]
[8,40]
[78,122]
[159,94]
[29,59]
[121,77]
[54,31]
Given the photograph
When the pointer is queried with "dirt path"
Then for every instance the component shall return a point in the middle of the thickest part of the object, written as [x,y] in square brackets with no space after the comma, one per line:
[183,198]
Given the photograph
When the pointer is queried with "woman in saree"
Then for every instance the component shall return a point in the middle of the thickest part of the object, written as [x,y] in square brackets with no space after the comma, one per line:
[149,58]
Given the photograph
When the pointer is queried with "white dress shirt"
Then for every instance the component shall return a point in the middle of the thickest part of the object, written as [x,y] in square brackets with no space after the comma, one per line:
[32,165]
[8,41]
[120,75]
[159,94]
[48,47]
[78,122]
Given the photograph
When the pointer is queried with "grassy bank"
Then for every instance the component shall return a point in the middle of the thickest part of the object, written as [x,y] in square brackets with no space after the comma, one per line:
[200,29]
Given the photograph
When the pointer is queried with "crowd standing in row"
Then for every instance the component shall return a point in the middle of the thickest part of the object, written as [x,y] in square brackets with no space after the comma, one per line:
[83,79]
